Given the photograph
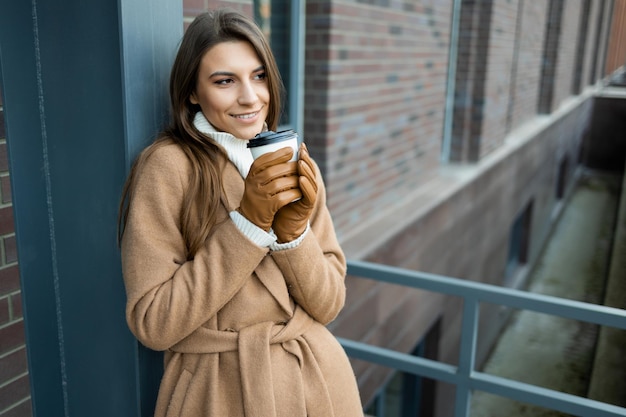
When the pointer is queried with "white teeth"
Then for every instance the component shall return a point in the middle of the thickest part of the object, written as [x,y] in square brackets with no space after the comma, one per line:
[246,116]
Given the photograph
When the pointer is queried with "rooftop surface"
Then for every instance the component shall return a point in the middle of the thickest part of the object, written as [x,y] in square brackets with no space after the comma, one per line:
[579,262]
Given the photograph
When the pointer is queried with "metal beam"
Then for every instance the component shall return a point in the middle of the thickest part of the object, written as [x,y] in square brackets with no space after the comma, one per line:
[84,89]
[541,303]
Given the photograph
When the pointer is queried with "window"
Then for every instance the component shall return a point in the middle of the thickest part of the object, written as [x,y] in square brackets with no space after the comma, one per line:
[561,181]
[282,21]
[408,395]
[518,243]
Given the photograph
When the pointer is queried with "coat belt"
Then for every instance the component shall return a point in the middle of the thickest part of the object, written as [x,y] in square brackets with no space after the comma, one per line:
[253,343]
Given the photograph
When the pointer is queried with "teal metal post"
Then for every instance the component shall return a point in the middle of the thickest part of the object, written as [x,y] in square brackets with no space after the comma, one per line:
[84,86]
[467,356]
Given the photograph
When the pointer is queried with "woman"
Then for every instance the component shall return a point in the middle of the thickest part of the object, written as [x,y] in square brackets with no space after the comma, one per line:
[224,271]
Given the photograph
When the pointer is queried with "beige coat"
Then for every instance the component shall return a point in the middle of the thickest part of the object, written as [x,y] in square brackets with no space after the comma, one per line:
[242,327]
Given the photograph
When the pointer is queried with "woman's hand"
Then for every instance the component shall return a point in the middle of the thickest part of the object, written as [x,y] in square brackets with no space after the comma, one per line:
[291,220]
[271,183]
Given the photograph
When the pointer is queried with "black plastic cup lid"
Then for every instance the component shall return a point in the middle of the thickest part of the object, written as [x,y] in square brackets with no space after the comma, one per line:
[266,138]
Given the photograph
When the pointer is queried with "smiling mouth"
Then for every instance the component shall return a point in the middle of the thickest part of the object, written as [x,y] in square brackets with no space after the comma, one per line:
[245,116]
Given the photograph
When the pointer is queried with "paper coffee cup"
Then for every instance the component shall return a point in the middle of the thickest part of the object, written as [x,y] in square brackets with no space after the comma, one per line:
[271,141]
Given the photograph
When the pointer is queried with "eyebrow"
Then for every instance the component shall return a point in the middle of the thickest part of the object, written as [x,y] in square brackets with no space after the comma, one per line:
[232,74]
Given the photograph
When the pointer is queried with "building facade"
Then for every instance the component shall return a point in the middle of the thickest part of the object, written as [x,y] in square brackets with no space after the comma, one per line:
[448,133]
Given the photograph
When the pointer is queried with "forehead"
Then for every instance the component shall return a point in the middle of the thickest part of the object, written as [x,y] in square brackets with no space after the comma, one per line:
[231,56]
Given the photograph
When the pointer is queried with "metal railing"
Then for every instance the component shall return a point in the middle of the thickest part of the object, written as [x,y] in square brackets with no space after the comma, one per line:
[464,376]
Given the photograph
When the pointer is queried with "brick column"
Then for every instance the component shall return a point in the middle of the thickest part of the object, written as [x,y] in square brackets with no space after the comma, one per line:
[582,43]
[14,384]
[550,56]
[470,79]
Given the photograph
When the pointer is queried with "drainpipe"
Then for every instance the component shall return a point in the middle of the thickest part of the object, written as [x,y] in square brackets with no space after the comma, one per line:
[451,82]
[297,65]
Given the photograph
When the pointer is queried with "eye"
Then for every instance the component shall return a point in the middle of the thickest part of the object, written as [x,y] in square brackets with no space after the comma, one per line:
[224,81]
[260,76]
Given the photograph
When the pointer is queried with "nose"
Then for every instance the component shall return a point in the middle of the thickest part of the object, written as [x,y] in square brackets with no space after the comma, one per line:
[247,94]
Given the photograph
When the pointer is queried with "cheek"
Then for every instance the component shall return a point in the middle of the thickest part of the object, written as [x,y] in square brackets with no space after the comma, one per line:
[263,92]
[215,102]
[267,94]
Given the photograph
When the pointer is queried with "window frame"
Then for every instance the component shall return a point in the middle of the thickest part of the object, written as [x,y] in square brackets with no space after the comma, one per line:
[295,86]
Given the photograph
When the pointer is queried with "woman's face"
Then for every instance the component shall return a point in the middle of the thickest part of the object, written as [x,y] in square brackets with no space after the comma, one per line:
[232,89]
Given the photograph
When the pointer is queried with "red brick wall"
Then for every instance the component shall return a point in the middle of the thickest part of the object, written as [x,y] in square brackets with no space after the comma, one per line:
[14,384]
[375,81]
[616,55]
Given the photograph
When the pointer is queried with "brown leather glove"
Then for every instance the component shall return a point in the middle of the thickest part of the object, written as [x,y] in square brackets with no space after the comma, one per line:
[291,220]
[271,183]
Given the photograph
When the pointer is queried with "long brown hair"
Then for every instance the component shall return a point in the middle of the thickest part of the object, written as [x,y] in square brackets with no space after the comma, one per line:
[204,194]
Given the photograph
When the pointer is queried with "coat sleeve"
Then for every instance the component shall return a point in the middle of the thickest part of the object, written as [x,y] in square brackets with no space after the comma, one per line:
[315,270]
[168,296]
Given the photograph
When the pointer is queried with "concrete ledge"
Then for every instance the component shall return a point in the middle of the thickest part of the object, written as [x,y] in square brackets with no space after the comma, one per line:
[608,379]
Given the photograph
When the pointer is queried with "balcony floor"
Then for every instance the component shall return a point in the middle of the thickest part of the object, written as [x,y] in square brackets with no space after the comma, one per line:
[550,351]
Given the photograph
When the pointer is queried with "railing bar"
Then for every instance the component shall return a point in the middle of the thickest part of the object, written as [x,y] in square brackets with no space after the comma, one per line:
[469,331]
[464,377]
[572,309]
[496,385]
[467,355]
[544,397]
[401,361]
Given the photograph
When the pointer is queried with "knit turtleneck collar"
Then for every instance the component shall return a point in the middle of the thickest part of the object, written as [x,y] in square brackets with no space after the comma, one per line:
[236,148]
